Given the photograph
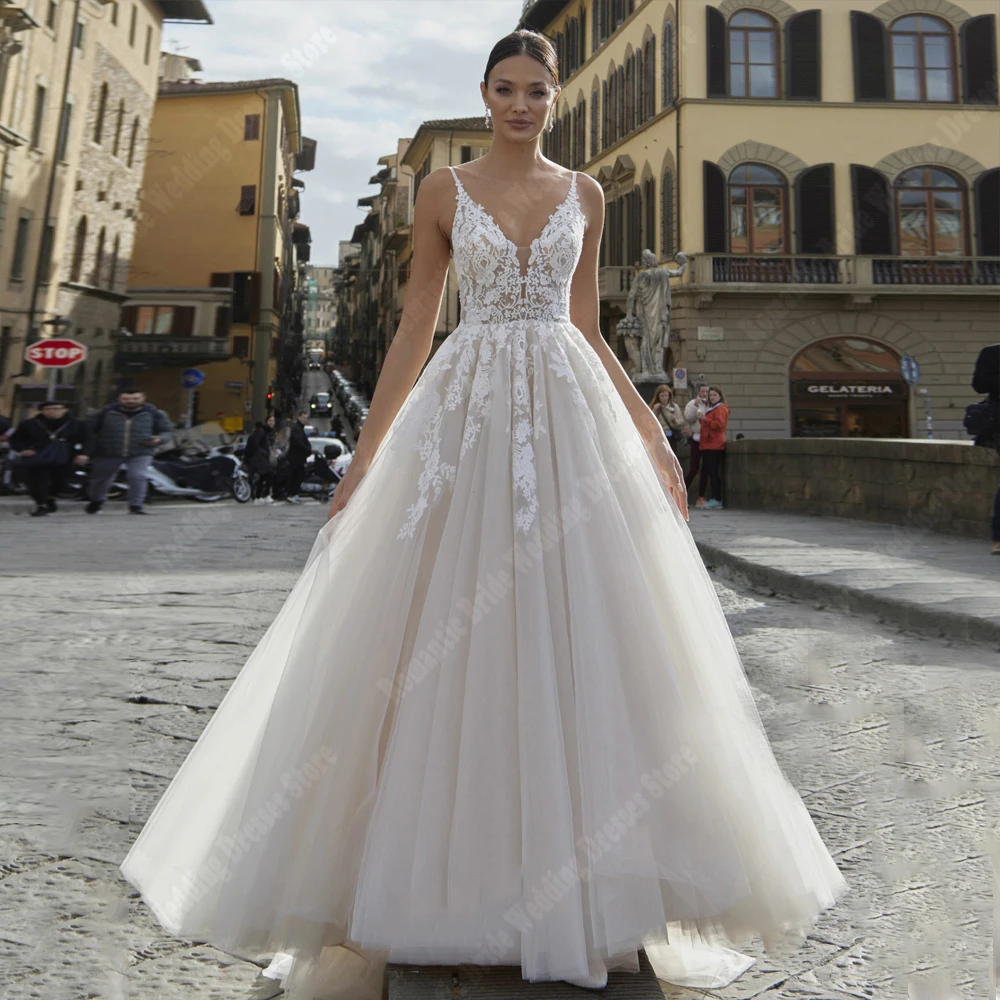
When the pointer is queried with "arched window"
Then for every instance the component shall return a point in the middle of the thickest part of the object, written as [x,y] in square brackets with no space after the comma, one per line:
[132,140]
[930,207]
[649,214]
[629,116]
[650,84]
[923,59]
[622,120]
[753,55]
[667,215]
[668,63]
[611,111]
[595,112]
[102,107]
[640,92]
[605,114]
[79,245]
[118,128]
[757,212]
[581,134]
[98,259]
[113,269]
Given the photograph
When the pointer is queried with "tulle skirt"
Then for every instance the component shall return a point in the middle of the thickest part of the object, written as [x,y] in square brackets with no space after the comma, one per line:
[500,717]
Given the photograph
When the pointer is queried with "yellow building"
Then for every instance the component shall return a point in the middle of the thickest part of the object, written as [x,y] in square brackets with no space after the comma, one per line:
[829,167]
[215,262]
[77,88]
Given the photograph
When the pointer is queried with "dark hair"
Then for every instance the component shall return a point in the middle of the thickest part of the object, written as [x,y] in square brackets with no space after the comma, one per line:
[524,43]
[715,388]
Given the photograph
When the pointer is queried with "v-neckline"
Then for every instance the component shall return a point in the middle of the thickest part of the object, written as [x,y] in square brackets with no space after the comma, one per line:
[510,244]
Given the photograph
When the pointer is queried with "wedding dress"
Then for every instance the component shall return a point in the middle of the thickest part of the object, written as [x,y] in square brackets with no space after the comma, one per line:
[500,717]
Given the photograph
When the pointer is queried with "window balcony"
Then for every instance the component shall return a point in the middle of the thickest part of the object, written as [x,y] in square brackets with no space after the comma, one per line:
[154,349]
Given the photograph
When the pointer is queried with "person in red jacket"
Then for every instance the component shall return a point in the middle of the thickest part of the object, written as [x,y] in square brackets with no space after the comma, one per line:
[713,446]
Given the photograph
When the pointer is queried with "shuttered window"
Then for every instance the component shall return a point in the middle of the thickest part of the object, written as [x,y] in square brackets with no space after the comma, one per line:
[248,199]
[802,54]
[871,81]
[979,60]
[814,211]
[873,230]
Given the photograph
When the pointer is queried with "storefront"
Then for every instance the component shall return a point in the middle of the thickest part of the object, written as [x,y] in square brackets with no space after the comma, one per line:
[848,387]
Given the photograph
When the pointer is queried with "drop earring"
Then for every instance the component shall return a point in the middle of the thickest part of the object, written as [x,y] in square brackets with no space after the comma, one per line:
[488,117]
[552,118]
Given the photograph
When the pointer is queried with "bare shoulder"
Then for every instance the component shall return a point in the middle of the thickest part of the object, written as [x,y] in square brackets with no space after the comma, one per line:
[436,188]
[591,196]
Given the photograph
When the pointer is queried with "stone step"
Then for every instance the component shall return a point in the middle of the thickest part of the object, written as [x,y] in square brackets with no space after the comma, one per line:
[470,982]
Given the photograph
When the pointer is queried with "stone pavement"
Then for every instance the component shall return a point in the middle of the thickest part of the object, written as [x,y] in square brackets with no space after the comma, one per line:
[123,633]
[941,584]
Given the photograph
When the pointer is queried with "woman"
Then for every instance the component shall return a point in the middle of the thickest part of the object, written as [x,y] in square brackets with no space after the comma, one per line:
[500,718]
[693,413]
[713,446]
[669,414]
[259,456]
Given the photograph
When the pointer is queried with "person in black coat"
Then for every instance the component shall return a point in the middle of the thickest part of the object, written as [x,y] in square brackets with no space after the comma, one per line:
[33,436]
[257,458]
[986,379]
[299,449]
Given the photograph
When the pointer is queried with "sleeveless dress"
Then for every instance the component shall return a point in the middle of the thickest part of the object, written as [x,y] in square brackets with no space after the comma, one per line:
[500,717]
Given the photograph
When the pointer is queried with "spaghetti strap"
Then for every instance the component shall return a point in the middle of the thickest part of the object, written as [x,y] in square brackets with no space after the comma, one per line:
[458,183]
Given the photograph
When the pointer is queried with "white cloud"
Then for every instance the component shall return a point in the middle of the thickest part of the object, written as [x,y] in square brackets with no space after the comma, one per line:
[388,65]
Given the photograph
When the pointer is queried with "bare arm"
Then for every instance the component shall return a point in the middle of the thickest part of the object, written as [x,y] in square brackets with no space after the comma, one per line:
[412,343]
[584,311]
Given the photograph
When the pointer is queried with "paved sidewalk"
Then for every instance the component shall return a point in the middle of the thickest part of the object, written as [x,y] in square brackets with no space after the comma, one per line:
[915,579]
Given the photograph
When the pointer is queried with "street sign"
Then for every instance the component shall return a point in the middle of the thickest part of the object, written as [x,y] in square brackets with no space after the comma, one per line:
[910,369]
[55,353]
[191,378]
[680,378]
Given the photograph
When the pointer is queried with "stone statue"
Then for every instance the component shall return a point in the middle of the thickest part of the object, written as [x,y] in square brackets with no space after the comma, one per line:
[646,330]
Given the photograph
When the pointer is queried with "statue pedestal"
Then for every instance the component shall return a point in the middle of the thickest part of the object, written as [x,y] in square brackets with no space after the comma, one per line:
[646,385]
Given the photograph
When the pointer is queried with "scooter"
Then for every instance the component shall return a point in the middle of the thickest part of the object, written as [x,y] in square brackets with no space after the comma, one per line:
[212,475]
[318,485]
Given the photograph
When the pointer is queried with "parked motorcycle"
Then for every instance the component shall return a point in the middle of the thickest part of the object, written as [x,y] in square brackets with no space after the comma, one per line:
[204,474]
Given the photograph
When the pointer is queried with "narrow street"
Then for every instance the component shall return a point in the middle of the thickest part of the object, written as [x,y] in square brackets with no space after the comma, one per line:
[130,630]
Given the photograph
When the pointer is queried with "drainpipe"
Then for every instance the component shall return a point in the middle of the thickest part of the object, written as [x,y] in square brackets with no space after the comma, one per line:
[267,221]
[40,261]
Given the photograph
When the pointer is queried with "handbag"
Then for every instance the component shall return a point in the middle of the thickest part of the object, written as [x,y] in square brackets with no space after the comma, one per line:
[56,452]
[982,420]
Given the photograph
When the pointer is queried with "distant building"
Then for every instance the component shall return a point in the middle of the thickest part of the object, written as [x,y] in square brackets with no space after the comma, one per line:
[214,271]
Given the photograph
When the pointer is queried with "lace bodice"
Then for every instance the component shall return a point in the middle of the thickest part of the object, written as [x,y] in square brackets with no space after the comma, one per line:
[491,285]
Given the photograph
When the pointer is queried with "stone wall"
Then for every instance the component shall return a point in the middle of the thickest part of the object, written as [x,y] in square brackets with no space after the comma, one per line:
[945,486]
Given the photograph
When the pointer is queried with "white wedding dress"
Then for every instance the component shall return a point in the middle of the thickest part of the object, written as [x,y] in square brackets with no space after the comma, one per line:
[500,718]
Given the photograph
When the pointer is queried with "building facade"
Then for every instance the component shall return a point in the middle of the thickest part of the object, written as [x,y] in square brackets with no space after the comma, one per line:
[78,83]
[830,169]
[216,263]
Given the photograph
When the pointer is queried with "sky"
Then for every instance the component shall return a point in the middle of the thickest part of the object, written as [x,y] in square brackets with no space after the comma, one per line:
[368,71]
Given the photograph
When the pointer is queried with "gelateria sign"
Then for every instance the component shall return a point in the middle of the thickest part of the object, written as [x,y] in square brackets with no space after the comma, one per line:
[819,390]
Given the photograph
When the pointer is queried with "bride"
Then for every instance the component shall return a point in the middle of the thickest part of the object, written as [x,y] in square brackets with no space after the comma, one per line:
[500,718]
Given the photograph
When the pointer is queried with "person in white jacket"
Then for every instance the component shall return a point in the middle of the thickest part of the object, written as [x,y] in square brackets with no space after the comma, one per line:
[693,413]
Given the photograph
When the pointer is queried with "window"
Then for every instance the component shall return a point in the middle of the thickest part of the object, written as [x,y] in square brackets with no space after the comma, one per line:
[102,107]
[6,335]
[251,127]
[923,59]
[668,63]
[118,128]
[50,16]
[756,210]
[930,209]
[753,56]
[48,242]
[20,247]
[650,82]
[149,44]
[241,347]
[248,198]
[78,35]
[62,145]
[95,279]
[595,110]
[114,11]
[36,124]
[161,321]
[79,244]
[132,139]
[132,25]
[113,269]
[466,154]
[667,215]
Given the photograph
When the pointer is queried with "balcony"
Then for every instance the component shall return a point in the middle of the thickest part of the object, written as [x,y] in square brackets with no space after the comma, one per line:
[151,350]
[859,277]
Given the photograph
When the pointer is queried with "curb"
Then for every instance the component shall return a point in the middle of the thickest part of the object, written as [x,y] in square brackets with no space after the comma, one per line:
[904,614]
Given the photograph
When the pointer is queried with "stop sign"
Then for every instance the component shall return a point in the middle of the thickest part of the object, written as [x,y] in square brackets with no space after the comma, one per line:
[55,353]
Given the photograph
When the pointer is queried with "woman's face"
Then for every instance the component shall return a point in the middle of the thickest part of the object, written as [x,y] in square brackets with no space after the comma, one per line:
[270,421]
[703,393]
[520,94]
[665,398]
[714,397]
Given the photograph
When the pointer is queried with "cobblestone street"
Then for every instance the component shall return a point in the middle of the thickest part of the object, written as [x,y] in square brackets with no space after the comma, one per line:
[123,634]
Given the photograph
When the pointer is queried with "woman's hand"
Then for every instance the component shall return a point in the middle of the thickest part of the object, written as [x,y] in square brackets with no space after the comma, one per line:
[346,487]
[668,469]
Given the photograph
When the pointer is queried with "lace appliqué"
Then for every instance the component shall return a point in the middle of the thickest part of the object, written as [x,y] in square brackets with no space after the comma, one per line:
[499,309]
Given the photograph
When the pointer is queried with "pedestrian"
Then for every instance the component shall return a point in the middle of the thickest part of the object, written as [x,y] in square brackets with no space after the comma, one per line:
[713,447]
[126,431]
[670,415]
[260,459]
[693,413]
[986,379]
[49,445]
[299,449]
